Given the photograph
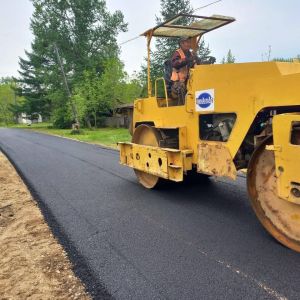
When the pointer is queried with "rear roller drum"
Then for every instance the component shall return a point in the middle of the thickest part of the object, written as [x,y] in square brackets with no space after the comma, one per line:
[279,217]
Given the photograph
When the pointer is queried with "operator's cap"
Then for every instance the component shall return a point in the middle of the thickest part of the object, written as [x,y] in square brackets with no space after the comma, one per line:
[184,38]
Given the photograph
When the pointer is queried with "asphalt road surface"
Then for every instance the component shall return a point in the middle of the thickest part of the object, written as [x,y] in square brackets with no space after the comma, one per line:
[186,241]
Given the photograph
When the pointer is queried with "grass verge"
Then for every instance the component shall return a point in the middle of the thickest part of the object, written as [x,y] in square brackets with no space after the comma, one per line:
[102,136]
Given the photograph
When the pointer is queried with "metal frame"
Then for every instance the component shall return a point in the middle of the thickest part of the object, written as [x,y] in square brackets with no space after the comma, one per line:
[165,89]
[168,24]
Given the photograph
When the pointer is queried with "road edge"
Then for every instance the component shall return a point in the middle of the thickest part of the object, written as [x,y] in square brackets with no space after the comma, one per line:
[79,265]
[69,138]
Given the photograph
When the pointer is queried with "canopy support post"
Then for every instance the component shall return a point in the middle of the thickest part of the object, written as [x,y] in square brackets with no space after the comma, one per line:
[149,37]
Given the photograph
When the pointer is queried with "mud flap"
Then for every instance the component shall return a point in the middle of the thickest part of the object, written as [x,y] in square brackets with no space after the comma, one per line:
[215,159]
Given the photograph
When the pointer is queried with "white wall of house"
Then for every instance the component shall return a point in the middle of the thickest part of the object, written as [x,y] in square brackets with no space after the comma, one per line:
[22,119]
[26,119]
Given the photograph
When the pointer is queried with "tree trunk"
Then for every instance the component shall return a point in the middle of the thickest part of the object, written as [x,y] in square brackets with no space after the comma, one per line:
[95,118]
[88,122]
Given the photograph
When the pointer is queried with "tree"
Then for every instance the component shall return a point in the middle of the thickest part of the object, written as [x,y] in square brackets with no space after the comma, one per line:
[8,100]
[165,47]
[98,94]
[33,86]
[84,32]
[267,55]
[283,59]
[131,88]
[229,59]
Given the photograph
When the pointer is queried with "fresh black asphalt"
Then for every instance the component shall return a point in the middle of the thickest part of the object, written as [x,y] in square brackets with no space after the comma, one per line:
[185,241]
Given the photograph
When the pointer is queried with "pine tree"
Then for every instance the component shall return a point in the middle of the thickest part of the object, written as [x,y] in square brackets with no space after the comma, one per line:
[165,47]
[229,59]
[32,87]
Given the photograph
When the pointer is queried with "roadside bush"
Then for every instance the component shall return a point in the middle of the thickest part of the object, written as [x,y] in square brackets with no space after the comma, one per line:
[61,118]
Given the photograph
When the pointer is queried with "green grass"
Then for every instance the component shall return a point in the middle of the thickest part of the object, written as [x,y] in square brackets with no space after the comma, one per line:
[102,136]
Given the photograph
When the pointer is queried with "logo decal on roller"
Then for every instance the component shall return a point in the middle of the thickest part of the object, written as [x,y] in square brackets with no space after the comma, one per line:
[205,100]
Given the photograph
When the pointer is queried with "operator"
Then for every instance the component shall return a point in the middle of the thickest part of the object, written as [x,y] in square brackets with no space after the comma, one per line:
[182,60]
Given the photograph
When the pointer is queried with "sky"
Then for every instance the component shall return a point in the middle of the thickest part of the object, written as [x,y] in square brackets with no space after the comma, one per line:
[259,24]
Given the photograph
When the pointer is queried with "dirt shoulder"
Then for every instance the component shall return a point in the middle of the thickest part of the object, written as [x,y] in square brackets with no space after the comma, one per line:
[33,264]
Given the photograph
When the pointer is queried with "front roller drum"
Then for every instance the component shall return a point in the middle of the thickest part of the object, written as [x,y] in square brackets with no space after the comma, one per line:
[280,217]
[148,136]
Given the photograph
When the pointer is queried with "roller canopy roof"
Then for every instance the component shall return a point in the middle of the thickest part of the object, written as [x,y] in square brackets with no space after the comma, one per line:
[194,26]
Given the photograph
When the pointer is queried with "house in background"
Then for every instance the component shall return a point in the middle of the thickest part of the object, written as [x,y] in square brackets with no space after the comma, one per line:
[121,116]
[24,119]
[29,119]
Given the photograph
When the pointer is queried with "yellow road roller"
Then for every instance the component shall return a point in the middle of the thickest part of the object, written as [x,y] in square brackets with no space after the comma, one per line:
[233,117]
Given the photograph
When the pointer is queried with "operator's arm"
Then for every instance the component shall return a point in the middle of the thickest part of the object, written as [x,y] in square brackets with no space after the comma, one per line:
[210,60]
[179,63]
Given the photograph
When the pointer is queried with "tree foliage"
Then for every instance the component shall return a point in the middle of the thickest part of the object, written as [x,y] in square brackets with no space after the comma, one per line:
[97,94]
[8,100]
[229,58]
[165,47]
[84,32]
[33,85]
[284,59]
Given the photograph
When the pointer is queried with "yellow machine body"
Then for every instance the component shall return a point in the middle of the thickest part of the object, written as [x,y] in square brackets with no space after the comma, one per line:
[233,116]
[240,89]
[287,156]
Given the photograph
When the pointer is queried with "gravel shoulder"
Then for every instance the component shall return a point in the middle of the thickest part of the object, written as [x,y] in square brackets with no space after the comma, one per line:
[33,263]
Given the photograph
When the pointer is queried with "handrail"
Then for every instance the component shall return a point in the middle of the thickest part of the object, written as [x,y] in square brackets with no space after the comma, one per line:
[165,89]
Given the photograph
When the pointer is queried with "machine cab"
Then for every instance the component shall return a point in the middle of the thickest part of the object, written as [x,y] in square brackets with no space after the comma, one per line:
[192,26]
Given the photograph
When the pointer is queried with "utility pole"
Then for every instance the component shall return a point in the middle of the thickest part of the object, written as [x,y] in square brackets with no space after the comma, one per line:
[74,109]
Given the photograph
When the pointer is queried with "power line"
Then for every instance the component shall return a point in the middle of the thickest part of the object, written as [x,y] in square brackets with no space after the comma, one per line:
[207,5]
[130,40]
[137,37]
